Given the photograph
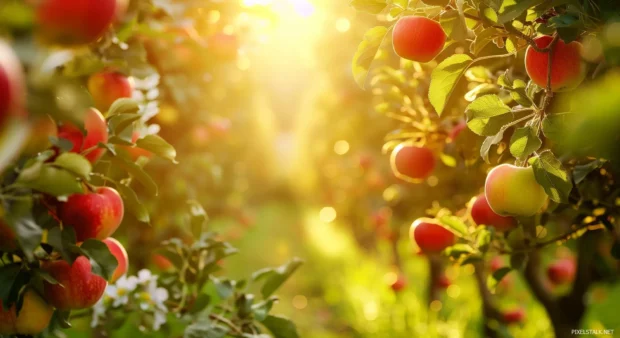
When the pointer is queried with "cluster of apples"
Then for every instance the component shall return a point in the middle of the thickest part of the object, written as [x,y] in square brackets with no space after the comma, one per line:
[421,39]
[98,211]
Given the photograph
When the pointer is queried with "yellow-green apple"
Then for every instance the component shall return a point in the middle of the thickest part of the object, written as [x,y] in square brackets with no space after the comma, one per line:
[94,214]
[96,131]
[119,252]
[430,236]
[12,87]
[107,87]
[78,288]
[418,38]
[567,67]
[74,22]
[42,129]
[411,161]
[33,318]
[482,214]
[514,191]
[561,271]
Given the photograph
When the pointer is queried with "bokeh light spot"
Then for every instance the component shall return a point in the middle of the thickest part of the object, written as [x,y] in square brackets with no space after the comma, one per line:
[327,214]
[371,310]
[341,147]
[300,302]
[436,306]
[454,291]
[343,25]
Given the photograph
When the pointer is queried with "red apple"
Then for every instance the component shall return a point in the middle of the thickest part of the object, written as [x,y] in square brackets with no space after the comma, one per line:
[561,271]
[42,129]
[412,162]
[514,316]
[496,263]
[12,86]
[119,252]
[567,67]
[79,288]
[443,282]
[430,236]
[456,131]
[94,214]
[418,38]
[33,318]
[162,262]
[482,214]
[399,284]
[96,131]
[107,87]
[135,152]
[74,22]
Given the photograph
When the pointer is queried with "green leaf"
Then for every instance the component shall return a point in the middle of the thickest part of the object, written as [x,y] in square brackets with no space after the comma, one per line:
[454,25]
[554,126]
[444,78]
[552,176]
[51,180]
[124,106]
[487,115]
[157,146]
[460,249]
[518,261]
[133,204]
[225,288]
[261,309]
[366,53]
[524,142]
[29,235]
[490,141]
[274,278]
[483,239]
[370,6]
[281,327]
[102,260]
[201,302]
[497,276]
[580,172]
[74,163]
[118,123]
[454,223]
[511,9]
[482,40]
[14,135]
[136,172]
[63,241]
[204,329]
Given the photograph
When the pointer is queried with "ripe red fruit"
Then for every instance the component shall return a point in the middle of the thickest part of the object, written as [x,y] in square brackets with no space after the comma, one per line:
[514,316]
[561,271]
[79,288]
[107,87]
[161,262]
[94,214]
[135,152]
[482,214]
[430,236]
[96,131]
[456,131]
[412,162]
[33,318]
[119,252]
[418,38]
[496,263]
[8,241]
[443,282]
[12,87]
[399,284]
[567,67]
[74,22]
